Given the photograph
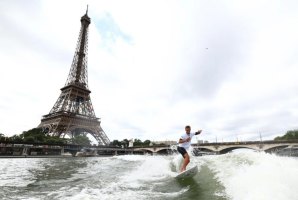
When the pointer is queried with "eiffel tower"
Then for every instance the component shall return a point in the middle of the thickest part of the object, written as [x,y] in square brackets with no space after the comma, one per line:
[73,113]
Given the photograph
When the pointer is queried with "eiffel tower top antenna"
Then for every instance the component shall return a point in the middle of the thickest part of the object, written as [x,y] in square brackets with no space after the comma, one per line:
[78,74]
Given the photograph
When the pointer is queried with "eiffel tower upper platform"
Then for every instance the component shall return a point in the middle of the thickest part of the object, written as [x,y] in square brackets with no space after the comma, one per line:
[73,113]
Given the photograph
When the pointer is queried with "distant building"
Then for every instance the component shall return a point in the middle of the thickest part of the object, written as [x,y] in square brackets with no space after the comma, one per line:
[130,143]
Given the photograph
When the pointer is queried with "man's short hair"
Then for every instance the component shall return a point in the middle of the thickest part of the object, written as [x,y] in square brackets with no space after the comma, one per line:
[187,126]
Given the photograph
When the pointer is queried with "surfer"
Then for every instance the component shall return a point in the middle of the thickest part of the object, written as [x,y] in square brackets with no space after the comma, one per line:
[184,144]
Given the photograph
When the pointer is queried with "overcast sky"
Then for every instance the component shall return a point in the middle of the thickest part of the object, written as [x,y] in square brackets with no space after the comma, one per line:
[227,67]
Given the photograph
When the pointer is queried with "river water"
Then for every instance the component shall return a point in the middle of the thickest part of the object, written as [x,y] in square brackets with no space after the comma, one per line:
[237,176]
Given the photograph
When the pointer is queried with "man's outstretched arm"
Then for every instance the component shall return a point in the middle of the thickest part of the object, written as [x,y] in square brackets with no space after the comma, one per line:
[198,132]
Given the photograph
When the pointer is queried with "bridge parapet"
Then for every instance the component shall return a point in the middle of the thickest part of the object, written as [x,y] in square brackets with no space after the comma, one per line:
[254,145]
[225,147]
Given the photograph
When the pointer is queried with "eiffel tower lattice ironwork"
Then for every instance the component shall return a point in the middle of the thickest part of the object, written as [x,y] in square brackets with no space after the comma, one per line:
[73,112]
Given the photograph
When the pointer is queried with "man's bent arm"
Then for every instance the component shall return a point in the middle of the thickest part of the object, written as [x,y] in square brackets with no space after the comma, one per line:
[182,141]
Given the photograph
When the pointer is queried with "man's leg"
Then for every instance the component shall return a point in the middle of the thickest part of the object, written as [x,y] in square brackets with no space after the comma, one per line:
[185,162]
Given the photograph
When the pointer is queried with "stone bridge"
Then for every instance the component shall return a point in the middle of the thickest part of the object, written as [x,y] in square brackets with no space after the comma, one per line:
[7,148]
[221,148]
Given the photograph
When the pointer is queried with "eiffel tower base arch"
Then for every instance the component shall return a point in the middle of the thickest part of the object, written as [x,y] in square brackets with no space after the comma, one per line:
[69,124]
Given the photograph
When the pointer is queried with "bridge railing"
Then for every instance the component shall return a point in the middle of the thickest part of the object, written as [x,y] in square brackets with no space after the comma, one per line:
[247,142]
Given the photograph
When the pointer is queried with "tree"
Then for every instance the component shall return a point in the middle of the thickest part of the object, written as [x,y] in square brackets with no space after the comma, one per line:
[146,142]
[137,142]
[116,143]
[34,135]
[29,139]
[81,139]
[290,135]
[2,137]
[125,143]
[16,138]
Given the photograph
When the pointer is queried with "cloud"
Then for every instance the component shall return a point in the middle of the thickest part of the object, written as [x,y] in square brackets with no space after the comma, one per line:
[218,55]
[110,31]
[228,68]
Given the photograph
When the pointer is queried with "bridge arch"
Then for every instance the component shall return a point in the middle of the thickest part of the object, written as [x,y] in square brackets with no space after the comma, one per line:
[229,149]
[207,149]
[145,150]
[154,150]
[275,147]
[163,151]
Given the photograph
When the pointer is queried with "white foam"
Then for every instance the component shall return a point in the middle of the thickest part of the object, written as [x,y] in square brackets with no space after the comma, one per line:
[177,162]
[251,175]
[135,184]
[152,168]
[116,194]
[132,157]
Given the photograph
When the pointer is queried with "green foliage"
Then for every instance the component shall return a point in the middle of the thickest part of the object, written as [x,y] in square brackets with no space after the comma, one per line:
[137,142]
[2,137]
[125,143]
[146,142]
[116,143]
[81,139]
[55,140]
[29,139]
[36,135]
[16,138]
[290,135]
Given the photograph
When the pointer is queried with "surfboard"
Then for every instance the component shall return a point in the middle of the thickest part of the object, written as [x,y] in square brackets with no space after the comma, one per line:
[188,173]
